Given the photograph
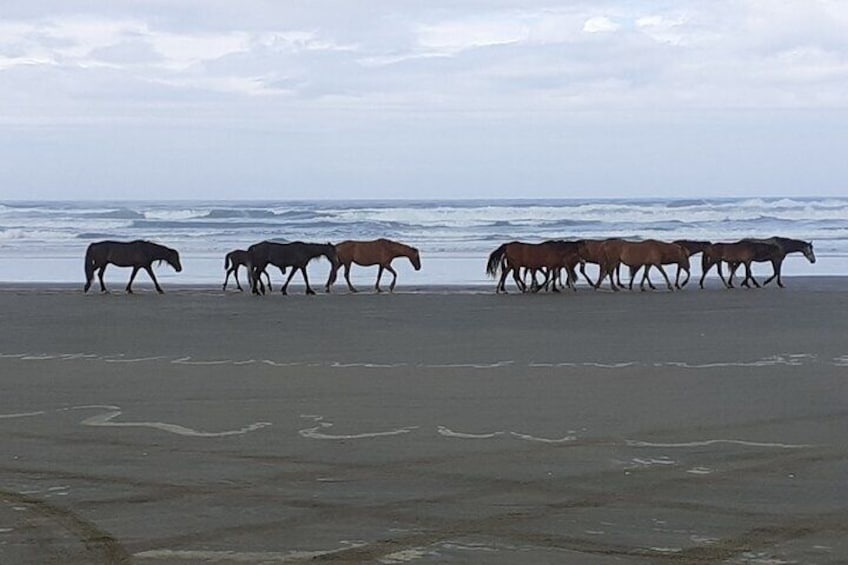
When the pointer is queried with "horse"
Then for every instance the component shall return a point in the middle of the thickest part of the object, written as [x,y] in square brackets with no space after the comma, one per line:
[238,258]
[379,252]
[647,254]
[137,254]
[296,254]
[514,256]
[784,246]
[742,252]
[591,251]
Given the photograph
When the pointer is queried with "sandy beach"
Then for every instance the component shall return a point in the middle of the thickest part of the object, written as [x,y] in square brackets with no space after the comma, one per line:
[434,425]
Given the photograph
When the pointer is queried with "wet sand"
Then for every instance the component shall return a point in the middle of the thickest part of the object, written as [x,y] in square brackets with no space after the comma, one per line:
[444,424]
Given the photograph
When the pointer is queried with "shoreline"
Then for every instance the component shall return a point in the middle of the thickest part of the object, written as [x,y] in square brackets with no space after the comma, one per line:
[822,283]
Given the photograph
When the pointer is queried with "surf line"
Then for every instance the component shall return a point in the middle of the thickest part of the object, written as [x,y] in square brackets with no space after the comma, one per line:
[109,412]
[105,419]
[746,443]
[315,433]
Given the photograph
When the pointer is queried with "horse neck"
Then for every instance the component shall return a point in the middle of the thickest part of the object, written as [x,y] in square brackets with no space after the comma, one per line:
[403,250]
[793,245]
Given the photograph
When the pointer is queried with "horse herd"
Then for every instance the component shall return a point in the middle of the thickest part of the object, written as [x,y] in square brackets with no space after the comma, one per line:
[551,258]
[548,260]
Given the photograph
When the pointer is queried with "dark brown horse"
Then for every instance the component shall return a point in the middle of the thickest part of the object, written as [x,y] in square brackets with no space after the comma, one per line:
[512,257]
[592,251]
[380,252]
[295,255]
[774,256]
[137,254]
[738,253]
[644,254]
[241,258]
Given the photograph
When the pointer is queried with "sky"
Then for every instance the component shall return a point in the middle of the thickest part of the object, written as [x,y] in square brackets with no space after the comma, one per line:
[214,99]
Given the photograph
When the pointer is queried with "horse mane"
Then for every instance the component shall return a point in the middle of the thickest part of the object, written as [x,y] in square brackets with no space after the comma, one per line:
[404,249]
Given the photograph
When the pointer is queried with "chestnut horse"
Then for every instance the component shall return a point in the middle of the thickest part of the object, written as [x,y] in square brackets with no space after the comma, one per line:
[137,254]
[379,252]
[241,258]
[296,254]
[742,252]
[514,256]
[644,254]
[591,251]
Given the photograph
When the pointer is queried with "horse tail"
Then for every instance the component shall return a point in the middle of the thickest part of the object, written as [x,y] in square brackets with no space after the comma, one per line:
[89,266]
[495,261]
[227,260]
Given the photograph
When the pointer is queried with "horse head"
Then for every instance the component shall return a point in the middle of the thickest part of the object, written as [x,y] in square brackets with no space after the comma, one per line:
[330,253]
[172,257]
[415,259]
[808,252]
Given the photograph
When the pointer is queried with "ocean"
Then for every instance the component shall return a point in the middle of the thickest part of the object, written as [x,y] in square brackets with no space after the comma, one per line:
[46,241]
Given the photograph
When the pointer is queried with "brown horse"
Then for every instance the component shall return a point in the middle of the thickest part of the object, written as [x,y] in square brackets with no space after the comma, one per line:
[644,254]
[379,252]
[137,254]
[738,253]
[296,254]
[241,258]
[514,256]
[592,251]
[776,256]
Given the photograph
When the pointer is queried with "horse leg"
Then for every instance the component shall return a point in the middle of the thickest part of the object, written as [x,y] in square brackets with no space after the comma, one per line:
[585,276]
[347,277]
[285,288]
[632,277]
[379,276]
[149,270]
[733,267]
[572,279]
[721,275]
[706,265]
[665,276]
[751,275]
[518,282]
[501,286]
[394,278]
[332,278]
[775,266]
[306,280]
[132,278]
[235,276]
[100,278]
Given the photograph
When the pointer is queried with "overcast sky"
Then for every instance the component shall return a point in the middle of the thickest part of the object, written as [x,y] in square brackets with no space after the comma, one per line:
[422,99]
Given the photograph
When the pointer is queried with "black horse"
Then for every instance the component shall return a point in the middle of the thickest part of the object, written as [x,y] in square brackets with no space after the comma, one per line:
[296,255]
[238,258]
[137,254]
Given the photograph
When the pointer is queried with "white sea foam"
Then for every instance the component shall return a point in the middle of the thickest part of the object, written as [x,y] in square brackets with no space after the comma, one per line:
[404,556]
[700,471]
[235,556]
[528,437]
[634,443]
[22,414]
[442,230]
[447,432]
[105,419]
[316,433]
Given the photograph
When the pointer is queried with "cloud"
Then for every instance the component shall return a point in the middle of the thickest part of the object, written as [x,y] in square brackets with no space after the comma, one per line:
[600,24]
